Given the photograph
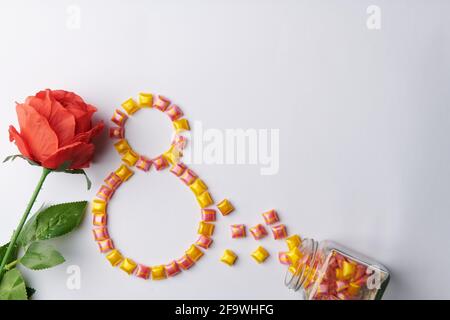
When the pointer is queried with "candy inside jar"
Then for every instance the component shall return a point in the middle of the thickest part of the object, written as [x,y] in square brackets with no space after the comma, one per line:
[329,271]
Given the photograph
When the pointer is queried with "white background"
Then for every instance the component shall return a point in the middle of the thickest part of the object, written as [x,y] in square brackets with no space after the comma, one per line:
[364,133]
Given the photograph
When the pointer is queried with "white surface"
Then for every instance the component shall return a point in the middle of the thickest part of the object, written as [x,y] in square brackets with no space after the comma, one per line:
[364,133]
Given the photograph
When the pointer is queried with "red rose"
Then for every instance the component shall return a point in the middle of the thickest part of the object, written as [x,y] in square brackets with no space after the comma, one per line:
[56,129]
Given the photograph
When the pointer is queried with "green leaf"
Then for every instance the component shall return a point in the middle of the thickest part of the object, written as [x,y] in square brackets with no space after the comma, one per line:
[30,292]
[15,156]
[28,233]
[12,286]
[80,171]
[64,166]
[41,255]
[13,255]
[53,221]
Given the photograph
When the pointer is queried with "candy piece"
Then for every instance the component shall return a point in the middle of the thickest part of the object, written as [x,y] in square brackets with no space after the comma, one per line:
[174,112]
[279,231]
[270,217]
[181,125]
[185,262]
[113,181]
[105,193]
[228,257]
[99,219]
[341,285]
[98,206]
[100,234]
[143,271]
[294,255]
[205,228]
[114,257]
[143,163]
[208,215]
[283,258]
[128,265]
[119,118]
[348,270]
[258,231]
[204,242]
[178,169]
[124,173]
[179,141]
[198,187]
[353,289]
[122,146]
[117,132]
[260,254]
[339,275]
[194,253]
[130,106]
[172,269]
[323,289]
[145,100]
[188,177]
[238,231]
[158,273]
[161,103]
[294,270]
[160,163]
[130,158]
[225,207]
[205,200]
[173,155]
[105,245]
[293,241]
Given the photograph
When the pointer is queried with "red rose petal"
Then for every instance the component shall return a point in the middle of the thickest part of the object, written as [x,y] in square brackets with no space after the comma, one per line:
[41,102]
[63,123]
[88,135]
[20,142]
[42,141]
[79,153]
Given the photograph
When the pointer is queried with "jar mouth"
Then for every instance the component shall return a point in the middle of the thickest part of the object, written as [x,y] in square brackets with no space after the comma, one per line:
[296,278]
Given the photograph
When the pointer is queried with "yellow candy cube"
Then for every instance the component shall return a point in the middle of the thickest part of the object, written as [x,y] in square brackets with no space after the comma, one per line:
[293,241]
[98,206]
[130,158]
[124,173]
[145,100]
[194,253]
[205,200]
[293,269]
[114,257]
[181,125]
[198,187]
[122,146]
[225,207]
[260,254]
[228,257]
[348,270]
[130,106]
[294,255]
[205,228]
[128,266]
[353,289]
[339,275]
[172,155]
[158,273]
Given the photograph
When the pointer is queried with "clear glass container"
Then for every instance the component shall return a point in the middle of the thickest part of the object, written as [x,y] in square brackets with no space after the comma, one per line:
[329,271]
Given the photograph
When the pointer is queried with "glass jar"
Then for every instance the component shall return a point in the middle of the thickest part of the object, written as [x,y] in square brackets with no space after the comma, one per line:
[329,271]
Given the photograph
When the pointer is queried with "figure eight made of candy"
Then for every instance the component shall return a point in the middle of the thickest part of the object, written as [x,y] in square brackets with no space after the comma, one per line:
[171,157]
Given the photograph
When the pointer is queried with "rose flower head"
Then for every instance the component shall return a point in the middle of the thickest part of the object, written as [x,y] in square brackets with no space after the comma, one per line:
[56,130]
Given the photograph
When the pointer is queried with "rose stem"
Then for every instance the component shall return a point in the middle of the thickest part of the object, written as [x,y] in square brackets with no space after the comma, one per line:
[16,233]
